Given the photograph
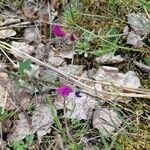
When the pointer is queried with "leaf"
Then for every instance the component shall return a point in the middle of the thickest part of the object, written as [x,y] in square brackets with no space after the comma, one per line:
[117,146]
[31,35]
[107,73]
[22,129]
[147,60]
[106,47]
[33,72]
[110,43]
[106,121]
[23,46]
[5,87]
[87,36]
[24,65]
[82,47]
[112,34]
[104,141]
[53,112]
[126,30]
[41,52]
[109,58]
[112,76]
[77,107]
[11,20]
[139,24]
[7,33]
[29,139]
[73,69]
[66,53]
[134,40]
[129,79]
[142,66]
[41,121]
[3,115]
[18,145]
[55,60]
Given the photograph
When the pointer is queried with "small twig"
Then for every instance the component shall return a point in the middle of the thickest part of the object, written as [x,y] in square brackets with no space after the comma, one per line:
[50,20]
[52,144]
[31,79]
[61,144]
[19,106]
[78,83]
[139,90]
[9,58]
[45,28]
[1,135]
[6,96]
[69,74]
[21,24]
[146,12]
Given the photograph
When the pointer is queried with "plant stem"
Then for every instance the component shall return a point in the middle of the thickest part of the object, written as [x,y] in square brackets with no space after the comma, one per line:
[66,123]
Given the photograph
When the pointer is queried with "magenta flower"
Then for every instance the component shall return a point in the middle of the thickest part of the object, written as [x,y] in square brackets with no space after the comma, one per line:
[57,31]
[64,90]
[72,37]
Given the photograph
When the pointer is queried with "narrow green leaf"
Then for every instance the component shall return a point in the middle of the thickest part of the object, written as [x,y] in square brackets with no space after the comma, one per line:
[145,4]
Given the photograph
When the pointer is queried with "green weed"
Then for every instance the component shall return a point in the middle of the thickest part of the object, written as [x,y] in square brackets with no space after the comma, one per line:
[145,4]
[23,66]
[22,144]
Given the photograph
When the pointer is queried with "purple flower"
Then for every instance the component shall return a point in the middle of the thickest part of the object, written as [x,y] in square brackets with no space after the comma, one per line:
[57,31]
[64,90]
[72,37]
[77,93]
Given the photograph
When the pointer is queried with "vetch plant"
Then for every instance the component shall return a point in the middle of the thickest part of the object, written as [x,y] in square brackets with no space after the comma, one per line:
[110,43]
[59,33]
[65,90]
[83,46]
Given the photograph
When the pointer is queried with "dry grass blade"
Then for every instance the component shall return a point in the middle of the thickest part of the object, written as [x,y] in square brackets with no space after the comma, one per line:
[21,24]
[139,90]
[83,86]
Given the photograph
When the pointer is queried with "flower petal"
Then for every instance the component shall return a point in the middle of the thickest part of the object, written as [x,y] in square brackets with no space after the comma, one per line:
[57,31]
[72,37]
[64,90]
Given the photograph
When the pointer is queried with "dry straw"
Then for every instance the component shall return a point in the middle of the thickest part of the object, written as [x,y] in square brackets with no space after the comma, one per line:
[139,93]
